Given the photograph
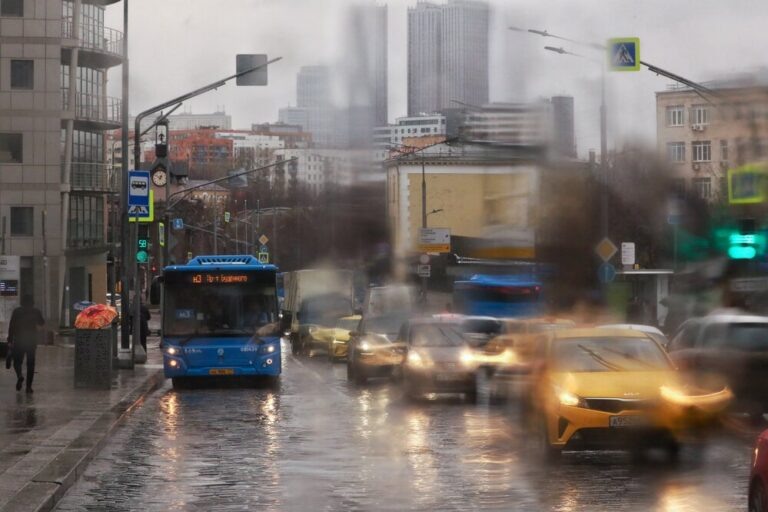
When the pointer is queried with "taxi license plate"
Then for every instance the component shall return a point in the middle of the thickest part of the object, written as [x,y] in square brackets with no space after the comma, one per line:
[628,421]
[221,371]
[443,377]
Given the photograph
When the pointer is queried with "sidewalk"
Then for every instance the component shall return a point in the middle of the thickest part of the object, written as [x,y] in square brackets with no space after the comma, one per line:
[47,438]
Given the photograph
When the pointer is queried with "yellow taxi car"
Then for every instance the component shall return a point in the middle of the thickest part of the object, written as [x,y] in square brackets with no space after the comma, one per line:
[502,350]
[336,338]
[612,388]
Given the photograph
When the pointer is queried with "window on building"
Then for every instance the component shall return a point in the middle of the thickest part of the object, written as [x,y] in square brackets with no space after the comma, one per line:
[675,115]
[11,148]
[22,74]
[700,114]
[676,151]
[702,151]
[703,187]
[22,220]
[11,7]
[724,150]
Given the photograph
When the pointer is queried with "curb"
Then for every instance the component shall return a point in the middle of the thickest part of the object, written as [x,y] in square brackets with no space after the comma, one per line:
[50,484]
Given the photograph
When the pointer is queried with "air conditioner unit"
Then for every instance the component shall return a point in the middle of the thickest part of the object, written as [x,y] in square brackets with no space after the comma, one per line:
[697,127]
[696,167]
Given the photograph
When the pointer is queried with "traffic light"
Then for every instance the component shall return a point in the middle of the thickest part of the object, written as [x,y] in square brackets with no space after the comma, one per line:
[142,251]
[746,242]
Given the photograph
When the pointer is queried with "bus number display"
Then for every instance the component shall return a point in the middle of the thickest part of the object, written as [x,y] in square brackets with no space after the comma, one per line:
[219,278]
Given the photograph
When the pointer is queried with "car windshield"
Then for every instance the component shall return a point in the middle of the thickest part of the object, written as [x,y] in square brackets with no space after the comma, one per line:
[348,324]
[388,324]
[325,310]
[607,355]
[481,326]
[436,335]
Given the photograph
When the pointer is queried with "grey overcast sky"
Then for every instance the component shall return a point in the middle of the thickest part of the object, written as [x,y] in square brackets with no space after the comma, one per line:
[178,45]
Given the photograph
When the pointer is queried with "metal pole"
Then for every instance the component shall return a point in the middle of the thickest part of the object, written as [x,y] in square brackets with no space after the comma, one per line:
[124,224]
[423,194]
[603,158]
[215,225]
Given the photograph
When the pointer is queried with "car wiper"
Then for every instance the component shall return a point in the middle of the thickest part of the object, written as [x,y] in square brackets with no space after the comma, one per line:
[600,359]
[629,357]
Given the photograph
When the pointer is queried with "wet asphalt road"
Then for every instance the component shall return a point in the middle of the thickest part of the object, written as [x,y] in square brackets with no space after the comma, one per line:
[318,444]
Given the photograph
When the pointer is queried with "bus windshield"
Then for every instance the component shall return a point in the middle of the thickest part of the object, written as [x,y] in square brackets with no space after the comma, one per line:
[219,304]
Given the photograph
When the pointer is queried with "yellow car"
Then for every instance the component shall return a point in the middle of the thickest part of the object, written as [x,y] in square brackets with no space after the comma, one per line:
[336,338]
[612,388]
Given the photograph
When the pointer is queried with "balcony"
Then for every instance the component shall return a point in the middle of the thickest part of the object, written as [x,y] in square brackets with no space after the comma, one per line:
[92,112]
[100,47]
[95,177]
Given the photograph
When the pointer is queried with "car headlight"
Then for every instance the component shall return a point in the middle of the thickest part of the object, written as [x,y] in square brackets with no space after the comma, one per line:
[415,359]
[172,351]
[467,358]
[569,399]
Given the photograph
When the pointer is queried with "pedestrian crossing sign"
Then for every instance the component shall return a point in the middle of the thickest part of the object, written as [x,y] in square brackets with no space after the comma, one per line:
[263,258]
[624,54]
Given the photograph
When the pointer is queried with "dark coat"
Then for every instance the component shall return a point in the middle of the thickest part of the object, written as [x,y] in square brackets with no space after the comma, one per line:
[22,329]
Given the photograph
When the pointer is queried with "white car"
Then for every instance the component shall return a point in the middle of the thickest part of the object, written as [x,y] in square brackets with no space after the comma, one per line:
[650,330]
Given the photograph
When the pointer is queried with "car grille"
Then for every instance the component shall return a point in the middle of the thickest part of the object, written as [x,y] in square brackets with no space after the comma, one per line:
[618,404]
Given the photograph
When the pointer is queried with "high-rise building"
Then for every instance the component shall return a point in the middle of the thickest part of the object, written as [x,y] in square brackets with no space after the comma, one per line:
[447,55]
[563,132]
[313,87]
[368,61]
[54,182]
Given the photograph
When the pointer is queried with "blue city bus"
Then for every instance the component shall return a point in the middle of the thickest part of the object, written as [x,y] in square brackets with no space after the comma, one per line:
[500,296]
[220,319]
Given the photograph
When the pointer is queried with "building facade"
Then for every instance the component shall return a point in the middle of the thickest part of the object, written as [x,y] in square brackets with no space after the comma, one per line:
[447,55]
[702,140]
[54,117]
[190,121]
[490,200]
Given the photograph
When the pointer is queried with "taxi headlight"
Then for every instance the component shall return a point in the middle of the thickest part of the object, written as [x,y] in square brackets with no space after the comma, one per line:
[365,346]
[570,399]
[674,395]
[312,329]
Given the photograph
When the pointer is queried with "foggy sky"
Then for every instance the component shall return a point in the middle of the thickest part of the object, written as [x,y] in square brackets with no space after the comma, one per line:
[179,45]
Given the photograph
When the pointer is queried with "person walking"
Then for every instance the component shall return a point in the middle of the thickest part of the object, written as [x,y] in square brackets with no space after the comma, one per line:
[22,339]
[144,317]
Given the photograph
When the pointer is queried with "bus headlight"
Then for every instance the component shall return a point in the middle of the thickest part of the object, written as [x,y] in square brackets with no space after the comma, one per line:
[172,351]
[268,349]
[173,363]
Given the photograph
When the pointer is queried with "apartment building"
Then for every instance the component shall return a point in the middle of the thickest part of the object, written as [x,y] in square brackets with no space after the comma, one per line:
[703,137]
[54,117]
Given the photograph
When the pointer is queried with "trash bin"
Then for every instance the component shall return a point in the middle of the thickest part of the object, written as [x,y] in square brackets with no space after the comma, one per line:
[93,358]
